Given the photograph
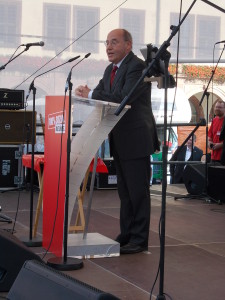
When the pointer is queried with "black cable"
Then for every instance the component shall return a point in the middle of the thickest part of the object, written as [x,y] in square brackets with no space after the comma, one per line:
[157,274]
[170,125]
[13,54]
[72,43]
[177,59]
[57,201]
[165,294]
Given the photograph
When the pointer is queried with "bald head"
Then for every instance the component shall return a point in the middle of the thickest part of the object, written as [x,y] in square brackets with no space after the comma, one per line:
[118,45]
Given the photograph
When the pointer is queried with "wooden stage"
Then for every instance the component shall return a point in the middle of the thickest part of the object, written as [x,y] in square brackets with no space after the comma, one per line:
[194,246]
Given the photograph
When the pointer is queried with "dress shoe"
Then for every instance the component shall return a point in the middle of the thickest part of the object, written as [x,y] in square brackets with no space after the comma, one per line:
[132,248]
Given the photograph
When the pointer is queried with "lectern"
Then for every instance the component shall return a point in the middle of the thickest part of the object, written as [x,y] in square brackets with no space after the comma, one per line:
[99,121]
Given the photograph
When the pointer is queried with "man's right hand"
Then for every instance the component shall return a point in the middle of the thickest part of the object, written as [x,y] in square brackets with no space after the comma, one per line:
[82,91]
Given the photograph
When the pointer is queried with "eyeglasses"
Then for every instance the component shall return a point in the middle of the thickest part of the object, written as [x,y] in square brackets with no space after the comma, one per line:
[219,107]
[113,43]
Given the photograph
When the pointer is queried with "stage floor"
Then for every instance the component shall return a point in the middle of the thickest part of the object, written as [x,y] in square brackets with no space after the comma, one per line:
[194,246]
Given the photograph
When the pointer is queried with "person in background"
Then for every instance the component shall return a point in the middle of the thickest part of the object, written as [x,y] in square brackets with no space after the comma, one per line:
[132,140]
[222,138]
[189,153]
[157,172]
[214,142]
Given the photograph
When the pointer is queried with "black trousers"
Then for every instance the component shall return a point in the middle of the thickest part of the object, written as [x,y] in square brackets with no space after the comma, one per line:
[133,178]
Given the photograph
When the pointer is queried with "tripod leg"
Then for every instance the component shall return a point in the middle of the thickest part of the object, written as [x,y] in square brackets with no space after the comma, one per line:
[5,219]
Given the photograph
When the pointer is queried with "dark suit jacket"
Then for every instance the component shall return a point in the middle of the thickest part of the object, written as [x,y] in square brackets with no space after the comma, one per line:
[176,171]
[135,135]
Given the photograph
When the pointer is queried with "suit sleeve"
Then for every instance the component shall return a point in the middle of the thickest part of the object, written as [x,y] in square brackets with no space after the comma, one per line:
[173,158]
[200,154]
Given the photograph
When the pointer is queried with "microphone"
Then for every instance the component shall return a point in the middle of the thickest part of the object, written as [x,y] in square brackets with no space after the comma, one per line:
[32,83]
[34,44]
[219,42]
[74,58]
[70,73]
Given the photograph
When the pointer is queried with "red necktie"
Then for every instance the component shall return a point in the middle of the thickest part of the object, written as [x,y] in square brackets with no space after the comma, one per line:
[113,74]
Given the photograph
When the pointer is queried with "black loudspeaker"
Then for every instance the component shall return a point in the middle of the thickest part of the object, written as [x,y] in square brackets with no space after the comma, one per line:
[216,186]
[16,127]
[11,174]
[38,281]
[13,255]
[194,178]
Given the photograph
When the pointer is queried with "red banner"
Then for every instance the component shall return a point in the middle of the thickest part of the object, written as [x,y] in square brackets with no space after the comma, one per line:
[56,129]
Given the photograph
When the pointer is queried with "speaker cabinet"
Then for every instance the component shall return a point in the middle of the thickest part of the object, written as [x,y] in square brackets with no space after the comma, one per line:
[38,281]
[194,178]
[107,180]
[216,186]
[13,255]
[11,171]
[16,127]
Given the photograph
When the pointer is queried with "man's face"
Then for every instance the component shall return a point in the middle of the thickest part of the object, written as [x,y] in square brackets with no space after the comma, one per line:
[189,143]
[219,109]
[116,47]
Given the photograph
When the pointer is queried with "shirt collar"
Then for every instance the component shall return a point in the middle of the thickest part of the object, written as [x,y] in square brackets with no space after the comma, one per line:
[120,62]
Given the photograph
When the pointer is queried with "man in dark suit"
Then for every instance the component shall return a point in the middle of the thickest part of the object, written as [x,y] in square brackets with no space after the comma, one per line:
[188,153]
[132,140]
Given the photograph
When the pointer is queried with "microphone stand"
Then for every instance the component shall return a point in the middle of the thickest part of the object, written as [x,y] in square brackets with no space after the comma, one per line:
[12,58]
[2,68]
[150,72]
[213,72]
[66,263]
[31,242]
[214,5]
[206,93]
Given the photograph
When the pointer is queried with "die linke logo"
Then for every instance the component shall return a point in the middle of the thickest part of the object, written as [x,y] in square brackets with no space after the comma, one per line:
[56,121]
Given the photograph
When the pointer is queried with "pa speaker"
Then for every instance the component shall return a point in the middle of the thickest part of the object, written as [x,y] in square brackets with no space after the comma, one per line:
[38,281]
[16,127]
[194,178]
[216,186]
[13,255]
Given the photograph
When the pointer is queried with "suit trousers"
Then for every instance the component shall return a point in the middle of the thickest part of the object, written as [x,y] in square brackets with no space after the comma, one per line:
[133,177]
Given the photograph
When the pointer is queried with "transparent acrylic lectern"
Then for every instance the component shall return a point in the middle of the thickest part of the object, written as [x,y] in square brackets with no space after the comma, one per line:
[99,122]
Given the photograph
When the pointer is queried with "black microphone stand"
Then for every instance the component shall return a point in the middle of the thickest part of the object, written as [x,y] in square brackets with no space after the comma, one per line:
[206,93]
[4,218]
[32,242]
[12,58]
[66,263]
[211,77]
[214,5]
[35,242]
[150,72]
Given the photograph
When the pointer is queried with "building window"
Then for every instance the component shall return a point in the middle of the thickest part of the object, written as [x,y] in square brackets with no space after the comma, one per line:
[10,23]
[133,20]
[84,19]
[56,26]
[208,31]
[186,47]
